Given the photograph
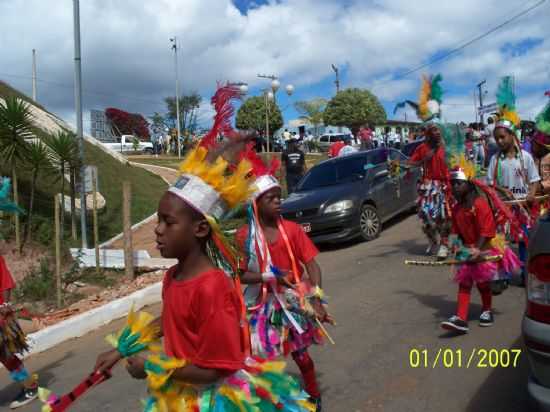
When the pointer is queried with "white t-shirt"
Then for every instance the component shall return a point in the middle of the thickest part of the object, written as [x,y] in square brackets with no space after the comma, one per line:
[511,174]
[347,150]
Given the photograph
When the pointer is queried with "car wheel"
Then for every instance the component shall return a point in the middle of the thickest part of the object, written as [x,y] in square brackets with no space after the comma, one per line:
[369,222]
[148,151]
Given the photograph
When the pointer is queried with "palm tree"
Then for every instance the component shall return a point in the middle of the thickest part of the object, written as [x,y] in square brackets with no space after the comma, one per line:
[312,111]
[64,149]
[15,126]
[74,166]
[38,161]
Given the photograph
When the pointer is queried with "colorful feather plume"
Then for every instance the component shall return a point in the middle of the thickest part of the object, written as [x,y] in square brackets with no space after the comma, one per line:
[506,101]
[221,101]
[259,167]
[431,94]
[543,118]
[5,204]
[138,335]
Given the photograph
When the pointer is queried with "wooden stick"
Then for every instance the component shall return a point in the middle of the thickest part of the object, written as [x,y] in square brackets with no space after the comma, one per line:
[127,223]
[57,250]
[451,261]
[96,230]
[320,324]
[523,201]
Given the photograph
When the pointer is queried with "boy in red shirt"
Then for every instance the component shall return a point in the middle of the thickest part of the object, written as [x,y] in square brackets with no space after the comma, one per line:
[433,206]
[474,231]
[12,339]
[201,321]
[284,310]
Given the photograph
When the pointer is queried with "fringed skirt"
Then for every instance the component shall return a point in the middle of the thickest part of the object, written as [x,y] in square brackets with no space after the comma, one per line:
[260,386]
[431,201]
[507,267]
[274,331]
[12,339]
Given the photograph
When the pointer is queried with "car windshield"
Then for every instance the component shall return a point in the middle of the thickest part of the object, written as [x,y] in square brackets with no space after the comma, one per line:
[341,171]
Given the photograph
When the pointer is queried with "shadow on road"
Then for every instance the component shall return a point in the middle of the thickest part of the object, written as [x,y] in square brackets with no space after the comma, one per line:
[505,390]
[46,376]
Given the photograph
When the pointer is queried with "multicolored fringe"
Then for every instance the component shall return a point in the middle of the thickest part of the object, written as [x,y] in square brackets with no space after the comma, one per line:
[138,335]
[260,386]
[432,201]
[12,338]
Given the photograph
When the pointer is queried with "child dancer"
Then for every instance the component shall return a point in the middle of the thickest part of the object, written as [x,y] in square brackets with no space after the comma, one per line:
[204,366]
[512,168]
[12,339]
[284,309]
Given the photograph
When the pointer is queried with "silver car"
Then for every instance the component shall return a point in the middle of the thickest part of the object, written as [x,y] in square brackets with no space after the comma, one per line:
[536,322]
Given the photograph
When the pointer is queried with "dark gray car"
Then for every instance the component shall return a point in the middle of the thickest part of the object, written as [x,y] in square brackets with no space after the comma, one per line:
[351,196]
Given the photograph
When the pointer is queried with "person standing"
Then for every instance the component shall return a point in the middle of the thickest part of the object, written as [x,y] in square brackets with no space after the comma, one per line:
[365,135]
[294,161]
[347,149]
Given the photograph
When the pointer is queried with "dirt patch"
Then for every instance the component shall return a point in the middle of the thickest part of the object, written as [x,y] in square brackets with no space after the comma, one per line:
[21,264]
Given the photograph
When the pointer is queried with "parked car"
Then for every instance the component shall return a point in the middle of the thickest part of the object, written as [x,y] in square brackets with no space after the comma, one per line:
[326,140]
[125,143]
[409,148]
[350,197]
[536,321]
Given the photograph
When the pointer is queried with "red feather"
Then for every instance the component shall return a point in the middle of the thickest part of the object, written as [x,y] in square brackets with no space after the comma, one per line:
[224,112]
[259,168]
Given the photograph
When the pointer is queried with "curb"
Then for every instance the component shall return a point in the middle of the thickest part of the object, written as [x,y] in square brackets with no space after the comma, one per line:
[91,320]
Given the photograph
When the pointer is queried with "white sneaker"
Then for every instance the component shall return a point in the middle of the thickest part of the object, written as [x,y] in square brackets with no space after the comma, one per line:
[443,252]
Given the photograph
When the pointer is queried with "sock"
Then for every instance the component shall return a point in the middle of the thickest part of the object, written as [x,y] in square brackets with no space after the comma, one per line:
[18,372]
[307,368]
[463,298]
[486,295]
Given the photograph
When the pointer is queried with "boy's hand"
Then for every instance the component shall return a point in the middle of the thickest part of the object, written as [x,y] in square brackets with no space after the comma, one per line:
[107,360]
[136,367]
[320,310]
[475,253]
[530,200]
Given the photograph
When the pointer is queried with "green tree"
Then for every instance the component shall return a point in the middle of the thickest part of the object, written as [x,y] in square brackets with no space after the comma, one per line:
[312,111]
[189,105]
[354,108]
[38,162]
[15,126]
[252,115]
[63,152]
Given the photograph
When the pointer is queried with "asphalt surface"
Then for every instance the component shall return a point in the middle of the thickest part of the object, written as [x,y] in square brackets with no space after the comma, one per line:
[384,310]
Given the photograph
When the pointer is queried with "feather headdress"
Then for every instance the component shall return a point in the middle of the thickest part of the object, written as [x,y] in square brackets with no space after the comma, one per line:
[542,134]
[429,101]
[506,101]
[5,204]
[264,173]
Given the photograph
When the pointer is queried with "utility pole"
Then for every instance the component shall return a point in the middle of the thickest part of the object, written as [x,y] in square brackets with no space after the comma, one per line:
[480,84]
[34,75]
[175,48]
[78,108]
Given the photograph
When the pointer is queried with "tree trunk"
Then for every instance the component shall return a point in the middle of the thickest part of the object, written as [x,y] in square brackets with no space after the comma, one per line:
[28,227]
[16,201]
[73,204]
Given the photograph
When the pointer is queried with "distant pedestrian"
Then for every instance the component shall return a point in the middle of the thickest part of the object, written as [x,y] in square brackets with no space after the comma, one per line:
[294,161]
[347,149]
[334,148]
[365,136]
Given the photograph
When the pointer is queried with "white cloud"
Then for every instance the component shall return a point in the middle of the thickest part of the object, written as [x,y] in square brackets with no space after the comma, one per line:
[126,51]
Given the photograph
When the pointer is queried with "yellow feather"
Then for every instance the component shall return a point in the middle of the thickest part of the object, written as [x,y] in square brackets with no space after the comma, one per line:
[425,91]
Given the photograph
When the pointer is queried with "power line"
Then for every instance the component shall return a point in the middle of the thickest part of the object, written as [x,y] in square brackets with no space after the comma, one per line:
[463,46]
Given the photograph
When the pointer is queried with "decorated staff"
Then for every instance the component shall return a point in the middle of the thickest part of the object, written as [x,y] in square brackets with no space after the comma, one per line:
[13,342]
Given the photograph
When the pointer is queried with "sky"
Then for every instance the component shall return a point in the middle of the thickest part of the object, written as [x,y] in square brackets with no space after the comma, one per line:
[128,63]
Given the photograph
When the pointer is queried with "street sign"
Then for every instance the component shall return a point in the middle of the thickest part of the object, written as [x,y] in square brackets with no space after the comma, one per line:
[488,108]
[90,171]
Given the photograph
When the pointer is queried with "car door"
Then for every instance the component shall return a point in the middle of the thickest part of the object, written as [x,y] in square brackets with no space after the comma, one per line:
[381,189]
[405,184]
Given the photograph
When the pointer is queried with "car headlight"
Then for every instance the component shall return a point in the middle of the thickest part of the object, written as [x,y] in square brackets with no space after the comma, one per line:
[339,206]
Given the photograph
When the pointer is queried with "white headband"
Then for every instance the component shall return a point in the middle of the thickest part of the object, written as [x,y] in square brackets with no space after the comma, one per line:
[263,184]
[199,195]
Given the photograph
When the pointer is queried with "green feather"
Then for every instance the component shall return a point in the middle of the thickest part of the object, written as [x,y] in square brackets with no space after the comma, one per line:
[437,91]
[543,120]
[505,94]
[454,140]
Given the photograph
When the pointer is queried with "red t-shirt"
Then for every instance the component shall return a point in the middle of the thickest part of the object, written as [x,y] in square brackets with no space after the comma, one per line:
[301,245]
[201,320]
[471,224]
[335,148]
[6,280]
[435,168]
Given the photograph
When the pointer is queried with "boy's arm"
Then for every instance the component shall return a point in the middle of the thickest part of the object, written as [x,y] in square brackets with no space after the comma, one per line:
[314,274]
[198,376]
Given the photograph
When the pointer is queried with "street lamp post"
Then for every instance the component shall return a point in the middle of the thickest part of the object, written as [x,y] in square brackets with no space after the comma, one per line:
[270,95]
[174,40]
[78,109]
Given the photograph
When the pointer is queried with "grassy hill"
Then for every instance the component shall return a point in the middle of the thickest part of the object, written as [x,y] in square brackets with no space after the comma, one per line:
[147,188]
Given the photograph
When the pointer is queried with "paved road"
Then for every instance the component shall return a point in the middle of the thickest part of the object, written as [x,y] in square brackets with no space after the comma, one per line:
[384,309]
